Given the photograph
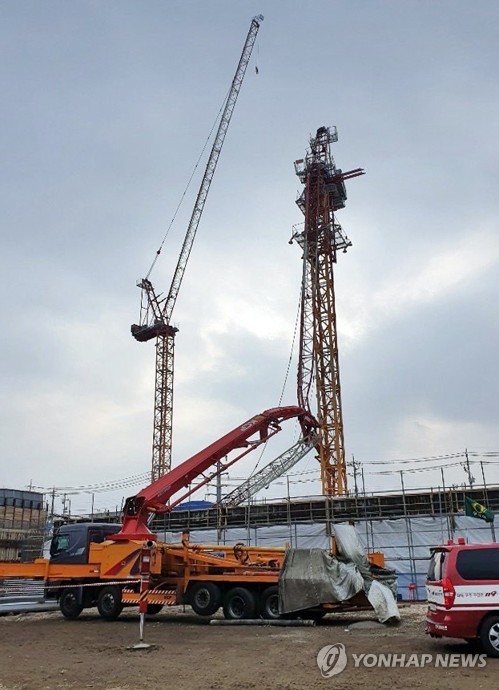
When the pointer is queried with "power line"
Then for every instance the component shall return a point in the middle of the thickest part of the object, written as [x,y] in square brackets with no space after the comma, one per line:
[141,479]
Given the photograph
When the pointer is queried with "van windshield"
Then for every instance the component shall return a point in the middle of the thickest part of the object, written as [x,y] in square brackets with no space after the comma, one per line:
[435,567]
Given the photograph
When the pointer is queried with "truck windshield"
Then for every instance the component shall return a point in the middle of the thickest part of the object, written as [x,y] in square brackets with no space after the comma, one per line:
[59,543]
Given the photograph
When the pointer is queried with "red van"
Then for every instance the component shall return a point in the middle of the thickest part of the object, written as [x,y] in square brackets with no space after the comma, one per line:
[463,593]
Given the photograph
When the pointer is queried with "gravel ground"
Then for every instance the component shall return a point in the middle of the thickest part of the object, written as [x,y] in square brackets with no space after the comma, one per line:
[45,651]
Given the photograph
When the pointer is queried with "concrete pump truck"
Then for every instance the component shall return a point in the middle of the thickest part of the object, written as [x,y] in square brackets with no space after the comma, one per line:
[113,566]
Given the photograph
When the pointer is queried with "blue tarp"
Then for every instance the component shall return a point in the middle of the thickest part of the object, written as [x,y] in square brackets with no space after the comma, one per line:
[194,505]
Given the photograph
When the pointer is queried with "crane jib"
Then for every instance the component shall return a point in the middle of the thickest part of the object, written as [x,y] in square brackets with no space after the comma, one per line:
[156,311]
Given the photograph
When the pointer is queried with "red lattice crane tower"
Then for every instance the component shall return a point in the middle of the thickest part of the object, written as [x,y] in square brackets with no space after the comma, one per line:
[321,238]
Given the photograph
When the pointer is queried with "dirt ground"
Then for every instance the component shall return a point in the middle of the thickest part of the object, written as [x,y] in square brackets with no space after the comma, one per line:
[45,651]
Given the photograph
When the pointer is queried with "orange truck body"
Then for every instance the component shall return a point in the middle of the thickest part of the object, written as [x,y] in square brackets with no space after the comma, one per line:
[172,569]
[112,569]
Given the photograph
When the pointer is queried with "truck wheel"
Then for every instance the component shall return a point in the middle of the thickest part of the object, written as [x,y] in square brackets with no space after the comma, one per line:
[313,615]
[239,604]
[489,635]
[68,603]
[109,602]
[269,603]
[205,598]
[153,609]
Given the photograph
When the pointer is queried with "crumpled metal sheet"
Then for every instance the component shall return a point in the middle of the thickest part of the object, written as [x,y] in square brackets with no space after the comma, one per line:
[350,549]
[383,602]
[311,577]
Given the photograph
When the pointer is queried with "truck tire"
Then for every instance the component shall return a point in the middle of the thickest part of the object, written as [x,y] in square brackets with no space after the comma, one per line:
[269,603]
[109,602]
[205,598]
[239,604]
[489,636]
[313,615]
[153,609]
[69,605]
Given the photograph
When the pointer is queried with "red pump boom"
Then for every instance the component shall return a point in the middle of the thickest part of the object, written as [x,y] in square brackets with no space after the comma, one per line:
[155,498]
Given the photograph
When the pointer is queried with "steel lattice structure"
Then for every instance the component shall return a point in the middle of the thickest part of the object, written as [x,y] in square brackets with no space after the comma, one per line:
[321,239]
[157,311]
[275,469]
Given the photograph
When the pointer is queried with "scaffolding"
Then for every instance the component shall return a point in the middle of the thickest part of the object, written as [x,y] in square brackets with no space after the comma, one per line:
[404,525]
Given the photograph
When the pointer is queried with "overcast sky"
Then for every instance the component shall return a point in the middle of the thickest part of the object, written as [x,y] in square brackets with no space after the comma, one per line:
[105,108]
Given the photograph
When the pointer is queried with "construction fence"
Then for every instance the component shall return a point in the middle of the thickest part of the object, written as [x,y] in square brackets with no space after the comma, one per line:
[405,542]
[403,525]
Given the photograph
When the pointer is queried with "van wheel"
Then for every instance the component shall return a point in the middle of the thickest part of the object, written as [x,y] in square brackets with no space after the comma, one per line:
[68,603]
[474,643]
[109,602]
[489,635]
[239,604]
[205,598]
[269,603]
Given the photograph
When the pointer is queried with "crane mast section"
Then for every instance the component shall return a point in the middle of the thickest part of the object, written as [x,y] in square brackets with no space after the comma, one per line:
[321,238]
[210,168]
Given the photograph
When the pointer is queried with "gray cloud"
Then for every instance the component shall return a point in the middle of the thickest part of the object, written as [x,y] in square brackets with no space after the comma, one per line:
[106,106]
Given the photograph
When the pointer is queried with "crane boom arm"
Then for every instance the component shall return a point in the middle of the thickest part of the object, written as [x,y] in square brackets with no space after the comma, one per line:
[155,498]
[210,168]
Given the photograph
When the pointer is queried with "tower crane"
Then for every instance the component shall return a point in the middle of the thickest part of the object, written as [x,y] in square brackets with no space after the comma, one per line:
[156,310]
[321,239]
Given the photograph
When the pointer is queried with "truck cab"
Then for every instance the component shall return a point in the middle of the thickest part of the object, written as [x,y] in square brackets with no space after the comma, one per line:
[71,543]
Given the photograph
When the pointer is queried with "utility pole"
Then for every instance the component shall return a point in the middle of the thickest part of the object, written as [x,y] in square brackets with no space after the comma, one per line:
[446,505]
[486,495]
[289,513]
[52,504]
[365,506]
[467,469]
[219,481]
[355,468]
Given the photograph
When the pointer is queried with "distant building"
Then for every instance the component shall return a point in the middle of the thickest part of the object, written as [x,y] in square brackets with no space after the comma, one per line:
[23,518]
